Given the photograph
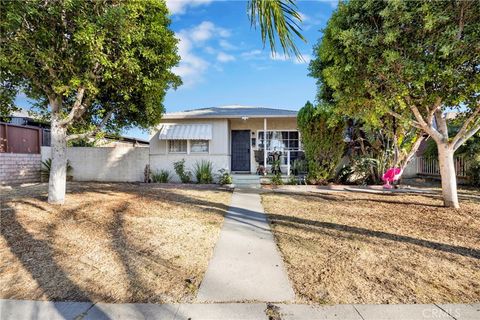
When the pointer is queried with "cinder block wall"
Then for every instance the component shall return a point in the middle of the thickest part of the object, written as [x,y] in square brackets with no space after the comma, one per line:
[19,168]
[112,164]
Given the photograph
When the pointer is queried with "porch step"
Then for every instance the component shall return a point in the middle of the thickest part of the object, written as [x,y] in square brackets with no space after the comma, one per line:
[246,181]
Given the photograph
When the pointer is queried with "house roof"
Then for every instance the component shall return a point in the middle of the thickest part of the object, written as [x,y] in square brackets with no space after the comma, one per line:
[233,111]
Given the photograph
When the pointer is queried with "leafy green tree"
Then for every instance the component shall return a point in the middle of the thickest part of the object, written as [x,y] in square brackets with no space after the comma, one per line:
[414,60]
[101,63]
[322,140]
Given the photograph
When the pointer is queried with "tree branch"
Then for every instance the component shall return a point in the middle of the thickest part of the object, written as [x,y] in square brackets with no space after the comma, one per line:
[467,136]
[441,124]
[77,107]
[412,152]
[93,132]
[467,122]
[428,128]
[400,117]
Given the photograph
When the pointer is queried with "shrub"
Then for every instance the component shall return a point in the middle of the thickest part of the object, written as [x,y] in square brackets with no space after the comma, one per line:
[203,171]
[277,179]
[225,177]
[474,174]
[292,180]
[322,140]
[47,165]
[162,176]
[299,166]
[185,175]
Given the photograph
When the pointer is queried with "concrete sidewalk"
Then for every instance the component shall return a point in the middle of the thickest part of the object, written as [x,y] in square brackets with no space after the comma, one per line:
[246,265]
[32,310]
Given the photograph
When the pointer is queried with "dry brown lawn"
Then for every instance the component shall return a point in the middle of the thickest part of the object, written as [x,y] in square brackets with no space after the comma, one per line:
[364,248]
[109,242]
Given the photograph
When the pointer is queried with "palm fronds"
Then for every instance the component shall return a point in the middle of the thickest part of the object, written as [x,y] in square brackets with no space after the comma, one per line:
[277,18]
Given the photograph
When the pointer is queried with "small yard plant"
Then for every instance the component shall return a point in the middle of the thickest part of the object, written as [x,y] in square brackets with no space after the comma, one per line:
[204,171]
[185,175]
[225,177]
[162,176]
[292,180]
[277,179]
[46,166]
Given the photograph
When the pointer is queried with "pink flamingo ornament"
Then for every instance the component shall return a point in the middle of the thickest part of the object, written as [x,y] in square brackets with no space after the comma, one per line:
[391,175]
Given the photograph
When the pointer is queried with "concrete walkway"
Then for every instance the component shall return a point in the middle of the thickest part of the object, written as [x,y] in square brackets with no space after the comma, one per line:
[32,310]
[246,265]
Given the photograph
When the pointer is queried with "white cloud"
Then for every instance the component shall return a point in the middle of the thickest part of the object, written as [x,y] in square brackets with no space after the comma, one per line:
[224,57]
[303,17]
[305,58]
[206,30]
[180,6]
[253,54]
[226,45]
[210,50]
[279,57]
[192,66]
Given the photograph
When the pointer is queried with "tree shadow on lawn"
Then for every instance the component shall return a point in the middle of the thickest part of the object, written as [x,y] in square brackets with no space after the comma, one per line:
[128,253]
[351,196]
[24,246]
[316,226]
[48,274]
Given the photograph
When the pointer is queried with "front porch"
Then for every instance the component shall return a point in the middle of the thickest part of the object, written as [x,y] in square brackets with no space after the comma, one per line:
[257,144]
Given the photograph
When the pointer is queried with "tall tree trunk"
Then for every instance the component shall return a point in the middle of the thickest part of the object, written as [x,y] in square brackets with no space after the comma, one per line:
[58,170]
[447,172]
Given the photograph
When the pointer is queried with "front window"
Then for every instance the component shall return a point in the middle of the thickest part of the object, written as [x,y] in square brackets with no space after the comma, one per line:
[177,146]
[279,140]
[199,146]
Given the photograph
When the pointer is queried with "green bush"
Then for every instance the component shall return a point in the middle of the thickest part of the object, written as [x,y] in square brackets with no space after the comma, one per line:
[185,175]
[277,179]
[292,180]
[474,174]
[162,176]
[47,165]
[299,166]
[203,172]
[225,177]
[322,140]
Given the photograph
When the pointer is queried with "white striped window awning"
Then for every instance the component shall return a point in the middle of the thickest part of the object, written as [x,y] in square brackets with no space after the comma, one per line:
[185,132]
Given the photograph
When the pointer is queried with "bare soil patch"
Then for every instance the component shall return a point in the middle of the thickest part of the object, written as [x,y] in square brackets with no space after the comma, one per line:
[347,247]
[109,242]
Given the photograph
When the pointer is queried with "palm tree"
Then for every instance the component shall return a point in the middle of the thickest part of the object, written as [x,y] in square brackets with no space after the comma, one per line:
[277,19]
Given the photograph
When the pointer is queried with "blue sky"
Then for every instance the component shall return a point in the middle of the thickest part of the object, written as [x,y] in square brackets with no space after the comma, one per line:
[224,62]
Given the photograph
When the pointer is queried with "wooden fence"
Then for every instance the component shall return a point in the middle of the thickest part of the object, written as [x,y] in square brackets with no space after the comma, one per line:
[429,166]
[20,139]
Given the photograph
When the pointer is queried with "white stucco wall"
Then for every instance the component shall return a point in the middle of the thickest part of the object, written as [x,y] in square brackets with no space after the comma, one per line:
[125,164]
[411,169]
[218,152]
[220,145]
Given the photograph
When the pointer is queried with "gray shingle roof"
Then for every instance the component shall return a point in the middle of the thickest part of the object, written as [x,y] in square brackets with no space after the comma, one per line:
[234,111]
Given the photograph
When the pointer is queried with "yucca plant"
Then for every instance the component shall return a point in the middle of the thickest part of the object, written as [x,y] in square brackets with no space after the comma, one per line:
[46,166]
[203,171]
[162,176]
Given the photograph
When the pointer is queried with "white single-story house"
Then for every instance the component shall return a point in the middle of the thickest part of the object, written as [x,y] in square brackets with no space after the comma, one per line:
[231,137]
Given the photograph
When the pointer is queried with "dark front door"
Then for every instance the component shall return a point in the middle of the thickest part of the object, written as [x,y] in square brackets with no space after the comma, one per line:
[241,150]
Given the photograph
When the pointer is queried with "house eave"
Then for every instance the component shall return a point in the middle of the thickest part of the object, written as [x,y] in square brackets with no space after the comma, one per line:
[181,117]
